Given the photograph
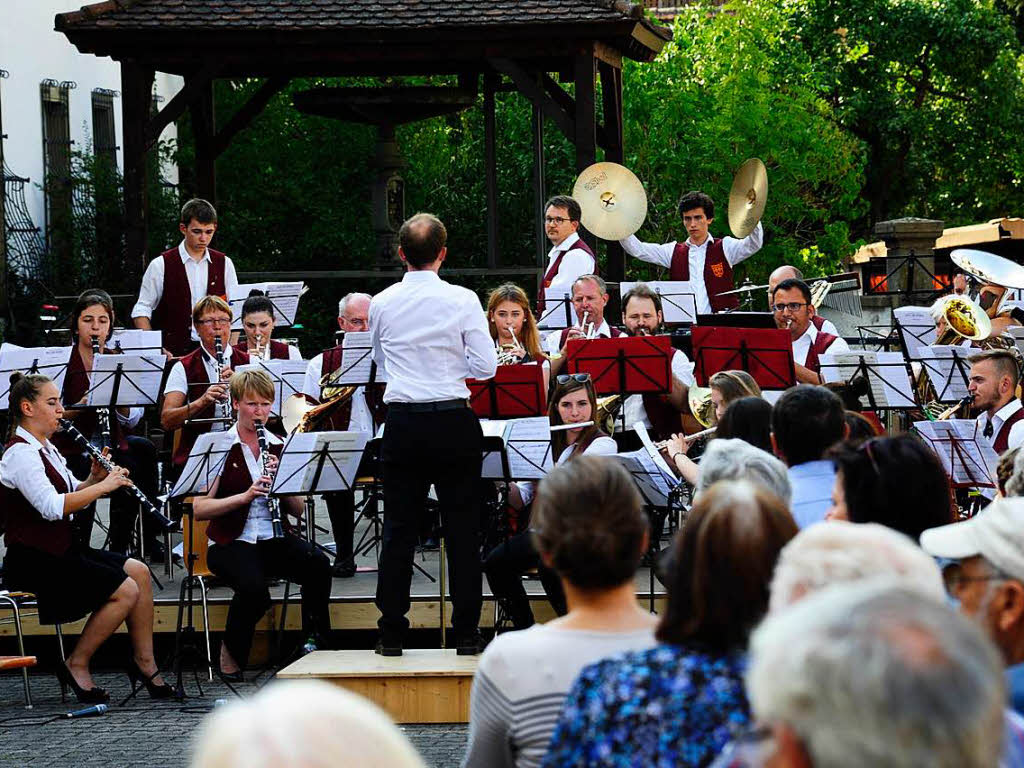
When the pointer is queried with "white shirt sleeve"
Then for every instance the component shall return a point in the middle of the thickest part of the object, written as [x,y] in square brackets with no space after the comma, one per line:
[230,276]
[602,446]
[311,384]
[294,353]
[837,346]
[738,250]
[373,320]
[829,327]
[1016,437]
[177,381]
[682,368]
[134,417]
[551,342]
[22,469]
[649,252]
[480,352]
[151,290]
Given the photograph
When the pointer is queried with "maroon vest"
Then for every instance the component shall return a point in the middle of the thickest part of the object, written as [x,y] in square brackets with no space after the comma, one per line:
[821,343]
[198,381]
[549,276]
[615,333]
[664,418]
[24,525]
[279,350]
[1002,440]
[819,322]
[76,384]
[234,478]
[173,313]
[717,273]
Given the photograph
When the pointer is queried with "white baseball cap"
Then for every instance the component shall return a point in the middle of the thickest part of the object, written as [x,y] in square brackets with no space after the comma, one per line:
[996,533]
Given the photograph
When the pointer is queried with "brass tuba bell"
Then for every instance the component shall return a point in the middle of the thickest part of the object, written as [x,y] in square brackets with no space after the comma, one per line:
[701,407]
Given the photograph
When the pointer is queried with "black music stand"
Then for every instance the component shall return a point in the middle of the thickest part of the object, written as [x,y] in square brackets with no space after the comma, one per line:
[626,365]
[51,361]
[766,354]
[553,309]
[959,366]
[275,293]
[515,391]
[970,462]
[875,372]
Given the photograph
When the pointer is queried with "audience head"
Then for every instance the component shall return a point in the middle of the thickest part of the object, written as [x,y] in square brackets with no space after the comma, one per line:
[422,239]
[354,312]
[721,565]
[1010,473]
[872,674]
[561,218]
[92,315]
[858,428]
[590,296]
[896,481]
[749,419]
[987,577]
[794,296]
[508,306]
[198,224]
[734,459]
[301,724]
[211,317]
[573,400]
[589,523]
[826,554]
[641,310]
[33,396]
[727,386]
[806,422]
[994,377]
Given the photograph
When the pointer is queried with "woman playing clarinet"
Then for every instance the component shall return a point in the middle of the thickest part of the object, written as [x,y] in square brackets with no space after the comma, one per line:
[69,578]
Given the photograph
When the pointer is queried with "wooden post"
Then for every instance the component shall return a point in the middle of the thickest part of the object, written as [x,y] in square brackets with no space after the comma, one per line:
[4,308]
[539,184]
[136,92]
[585,119]
[491,169]
[204,131]
[611,99]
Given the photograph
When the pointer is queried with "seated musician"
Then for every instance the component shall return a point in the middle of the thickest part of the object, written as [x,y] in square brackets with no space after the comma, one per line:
[513,326]
[573,401]
[70,579]
[92,320]
[991,298]
[704,260]
[362,414]
[993,382]
[569,257]
[258,326]
[589,298]
[196,392]
[660,414]
[244,552]
[788,272]
[793,310]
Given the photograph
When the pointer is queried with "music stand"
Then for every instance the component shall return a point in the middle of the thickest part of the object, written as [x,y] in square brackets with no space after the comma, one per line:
[288,377]
[283,296]
[916,329]
[947,365]
[554,312]
[357,365]
[888,374]
[678,301]
[51,361]
[627,365]
[969,460]
[514,391]
[765,353]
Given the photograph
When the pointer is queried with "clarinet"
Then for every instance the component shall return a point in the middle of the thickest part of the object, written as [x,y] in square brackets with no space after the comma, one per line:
[272,503]
[218,348]
[148,506]
[102,414]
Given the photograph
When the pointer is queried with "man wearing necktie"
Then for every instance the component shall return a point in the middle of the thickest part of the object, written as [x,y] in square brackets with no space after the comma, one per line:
[993,383]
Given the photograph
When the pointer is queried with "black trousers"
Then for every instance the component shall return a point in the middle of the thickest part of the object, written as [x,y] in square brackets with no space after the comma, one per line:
[341,508]
[442,448]
[505,566]
[246,568]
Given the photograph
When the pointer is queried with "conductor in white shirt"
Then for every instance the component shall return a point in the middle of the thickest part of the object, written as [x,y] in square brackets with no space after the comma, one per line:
[431,336]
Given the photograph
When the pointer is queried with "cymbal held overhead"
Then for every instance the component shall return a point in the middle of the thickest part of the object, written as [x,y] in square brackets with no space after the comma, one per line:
[747,198]
[612,200]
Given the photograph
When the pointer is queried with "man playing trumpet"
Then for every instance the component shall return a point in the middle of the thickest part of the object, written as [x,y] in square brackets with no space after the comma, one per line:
[589,298]
[791,303]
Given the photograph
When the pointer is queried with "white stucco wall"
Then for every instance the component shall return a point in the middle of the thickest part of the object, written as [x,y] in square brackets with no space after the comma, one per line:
[31,51]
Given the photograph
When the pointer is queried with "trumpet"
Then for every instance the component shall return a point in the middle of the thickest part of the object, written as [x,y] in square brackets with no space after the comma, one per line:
[663,444]
[103,414]
[273,504]
[507,352]
[260,351]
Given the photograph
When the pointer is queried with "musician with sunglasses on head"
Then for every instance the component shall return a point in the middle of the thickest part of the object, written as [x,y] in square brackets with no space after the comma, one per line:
[245,550]
[569,257]
[791,303]
[589,298]
[573,401]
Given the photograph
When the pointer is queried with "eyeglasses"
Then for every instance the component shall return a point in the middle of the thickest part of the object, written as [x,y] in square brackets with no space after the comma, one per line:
[565,378]
[953,577]
[214,322]
[866,446]
[559,220]
[792,306]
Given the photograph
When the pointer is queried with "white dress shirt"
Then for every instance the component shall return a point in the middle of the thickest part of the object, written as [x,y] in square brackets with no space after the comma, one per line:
[197,272]
[576,262]
[633,409]
[802,346]
[827,326]
[1016,437]
[735,252]
[258,525]
[430,336]
[552,347]
[21,468]
[361,419]
[177,380]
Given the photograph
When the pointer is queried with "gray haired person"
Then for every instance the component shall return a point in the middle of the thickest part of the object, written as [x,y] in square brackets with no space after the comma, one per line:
[735,459]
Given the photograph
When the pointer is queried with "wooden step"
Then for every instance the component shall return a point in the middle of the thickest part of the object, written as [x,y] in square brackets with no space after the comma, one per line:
[423,685]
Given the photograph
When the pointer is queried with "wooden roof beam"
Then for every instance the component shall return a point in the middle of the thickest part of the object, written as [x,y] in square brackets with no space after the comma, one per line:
[247,113]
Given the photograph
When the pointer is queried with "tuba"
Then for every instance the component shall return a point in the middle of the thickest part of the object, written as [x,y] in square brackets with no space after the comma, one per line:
[701,407]
[301,414]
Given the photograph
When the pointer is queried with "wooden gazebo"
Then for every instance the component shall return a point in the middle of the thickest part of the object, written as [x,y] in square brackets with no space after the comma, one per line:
[537,46]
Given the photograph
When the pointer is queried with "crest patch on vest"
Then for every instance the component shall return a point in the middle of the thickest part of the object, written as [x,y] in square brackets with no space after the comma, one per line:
[717,270]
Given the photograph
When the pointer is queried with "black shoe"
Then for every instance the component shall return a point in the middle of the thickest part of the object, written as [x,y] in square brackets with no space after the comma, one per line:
[232,677]
[470,644]
[388,646]
[91,696]
[343,569]
[140,680]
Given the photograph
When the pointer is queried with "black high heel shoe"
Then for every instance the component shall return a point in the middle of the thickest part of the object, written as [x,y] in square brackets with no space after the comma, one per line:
[139,680]
[91,696]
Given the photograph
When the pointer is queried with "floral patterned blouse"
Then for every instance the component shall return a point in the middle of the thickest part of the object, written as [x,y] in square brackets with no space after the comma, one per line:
[666,707]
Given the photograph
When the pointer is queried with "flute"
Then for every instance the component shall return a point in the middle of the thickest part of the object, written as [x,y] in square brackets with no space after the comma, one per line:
[272,502]
[103,414]
[577,425]
[687,438]
[147,505]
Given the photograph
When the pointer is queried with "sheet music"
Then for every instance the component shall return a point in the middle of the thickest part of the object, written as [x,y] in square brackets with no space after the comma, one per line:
[528,445]
[678,298]
[357,359]
[204,464]
[140,379]
[886,374]
[136,340]
[939,362]
[301,458]
[917,328]
[972,461]
[1016,332]
[288,377]
[285,297]
[50,361]
[652,451]
[553,317]
[653,484]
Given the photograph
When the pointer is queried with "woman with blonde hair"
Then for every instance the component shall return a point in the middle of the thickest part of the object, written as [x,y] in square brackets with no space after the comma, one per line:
[508,313]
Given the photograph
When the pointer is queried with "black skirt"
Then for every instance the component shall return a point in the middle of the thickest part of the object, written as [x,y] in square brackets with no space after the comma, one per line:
[68,587]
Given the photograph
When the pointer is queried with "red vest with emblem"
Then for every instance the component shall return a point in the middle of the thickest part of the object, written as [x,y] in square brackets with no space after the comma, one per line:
[173,313]
[234,478]
[821,343]
[23,523]
[1002,441]
[717,273]
[76,384]
[549,276]
[198,381]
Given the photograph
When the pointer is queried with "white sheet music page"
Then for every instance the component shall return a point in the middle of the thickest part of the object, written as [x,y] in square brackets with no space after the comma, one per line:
[49,361]
[652,451]
[678,299]
[946,376]
[288,377]
[916,327]
[886,373]
[136,340]
[528,446]
[653,474]
[300,461]
[284,296]
[140,380]
[357,359]
[972,461]
[553,317]
[204,464]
